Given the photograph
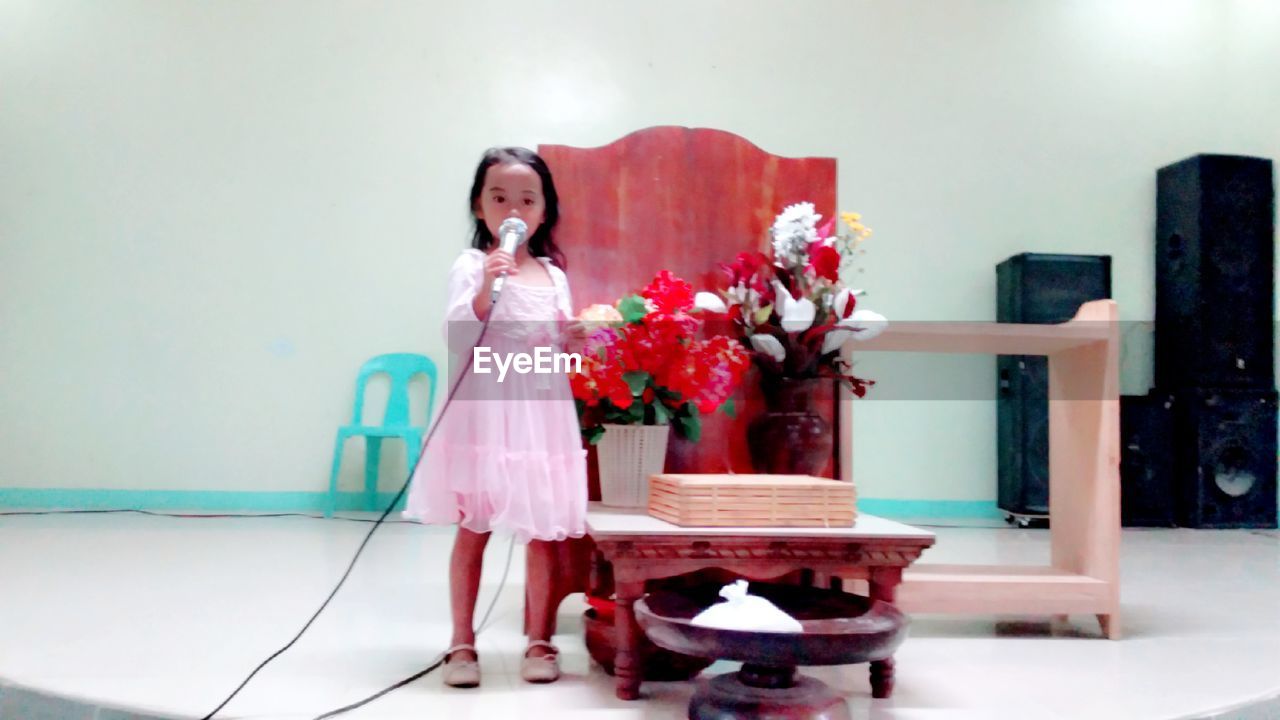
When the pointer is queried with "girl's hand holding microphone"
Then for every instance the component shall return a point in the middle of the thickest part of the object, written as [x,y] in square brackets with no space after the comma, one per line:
[496,263]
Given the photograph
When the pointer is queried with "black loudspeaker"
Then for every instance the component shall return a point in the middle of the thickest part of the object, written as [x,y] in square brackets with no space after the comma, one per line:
[1049,289]
[1044,289]
[1022,431]
[1147,495]
[1226,458]
[1215,256]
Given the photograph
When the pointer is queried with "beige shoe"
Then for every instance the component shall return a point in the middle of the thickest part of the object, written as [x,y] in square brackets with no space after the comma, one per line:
[541,668]
[461,673]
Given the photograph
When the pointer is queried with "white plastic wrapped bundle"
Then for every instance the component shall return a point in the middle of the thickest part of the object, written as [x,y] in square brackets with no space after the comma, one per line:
[741,611]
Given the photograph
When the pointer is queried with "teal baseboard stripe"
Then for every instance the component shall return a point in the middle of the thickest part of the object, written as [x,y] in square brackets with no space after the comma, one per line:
[196,500]
[251,501]
[950,509]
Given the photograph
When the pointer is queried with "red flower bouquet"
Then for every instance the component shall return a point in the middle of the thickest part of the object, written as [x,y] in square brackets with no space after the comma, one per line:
[645,364]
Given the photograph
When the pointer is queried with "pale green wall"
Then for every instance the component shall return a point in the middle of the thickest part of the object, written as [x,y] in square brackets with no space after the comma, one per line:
[211,212]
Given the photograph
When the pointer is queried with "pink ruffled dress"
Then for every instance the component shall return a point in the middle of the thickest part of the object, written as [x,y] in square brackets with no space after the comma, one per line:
[507,455]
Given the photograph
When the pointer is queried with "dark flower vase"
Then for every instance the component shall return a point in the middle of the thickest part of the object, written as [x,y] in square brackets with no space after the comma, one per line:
[790,438]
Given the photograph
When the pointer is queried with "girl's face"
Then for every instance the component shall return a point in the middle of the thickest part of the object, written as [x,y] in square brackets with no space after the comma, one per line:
[511,190]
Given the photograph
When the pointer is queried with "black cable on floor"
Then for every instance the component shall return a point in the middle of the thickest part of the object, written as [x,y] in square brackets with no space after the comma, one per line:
[484,621]
[347,708]
[396,500]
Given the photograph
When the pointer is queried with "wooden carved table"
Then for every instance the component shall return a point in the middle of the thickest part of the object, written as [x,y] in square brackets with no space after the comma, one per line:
[637,548]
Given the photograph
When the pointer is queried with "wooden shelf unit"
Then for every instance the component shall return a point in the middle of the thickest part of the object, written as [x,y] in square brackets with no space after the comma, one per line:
[1084,470]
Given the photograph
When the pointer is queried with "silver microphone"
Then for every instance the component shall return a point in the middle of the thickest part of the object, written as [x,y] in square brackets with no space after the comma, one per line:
[512,232]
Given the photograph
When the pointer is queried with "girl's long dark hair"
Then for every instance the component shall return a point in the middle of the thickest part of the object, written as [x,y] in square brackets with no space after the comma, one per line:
[543,243]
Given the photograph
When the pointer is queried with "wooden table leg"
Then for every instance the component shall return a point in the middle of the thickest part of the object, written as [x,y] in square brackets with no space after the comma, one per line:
[883,585]
[626,663]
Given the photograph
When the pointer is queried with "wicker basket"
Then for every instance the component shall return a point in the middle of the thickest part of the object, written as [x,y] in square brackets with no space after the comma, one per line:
[752,501]
[628,455]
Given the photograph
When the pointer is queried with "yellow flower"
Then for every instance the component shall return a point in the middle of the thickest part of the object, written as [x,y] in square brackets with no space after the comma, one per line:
[854,221]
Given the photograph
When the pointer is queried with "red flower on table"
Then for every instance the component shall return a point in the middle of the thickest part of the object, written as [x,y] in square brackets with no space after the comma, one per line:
[669,293]
[599,381]
[825,263]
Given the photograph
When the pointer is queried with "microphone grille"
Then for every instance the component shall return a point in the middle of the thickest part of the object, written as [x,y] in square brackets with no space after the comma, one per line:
[515,225]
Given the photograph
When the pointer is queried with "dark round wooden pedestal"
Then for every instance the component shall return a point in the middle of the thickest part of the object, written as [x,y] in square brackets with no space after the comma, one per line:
[838,629]
[729,696]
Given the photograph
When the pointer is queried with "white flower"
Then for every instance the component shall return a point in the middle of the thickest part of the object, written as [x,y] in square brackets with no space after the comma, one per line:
[798,212]
[792,232]
[841,302]
[868,323]
[747,299]
[710,302]
[861,325]
[790,251]
[797,315]
[770,346]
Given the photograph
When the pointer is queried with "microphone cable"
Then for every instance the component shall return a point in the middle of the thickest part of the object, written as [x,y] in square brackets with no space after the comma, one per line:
[484,328]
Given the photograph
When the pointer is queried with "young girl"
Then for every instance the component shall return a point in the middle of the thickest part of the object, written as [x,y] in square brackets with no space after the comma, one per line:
[507,455]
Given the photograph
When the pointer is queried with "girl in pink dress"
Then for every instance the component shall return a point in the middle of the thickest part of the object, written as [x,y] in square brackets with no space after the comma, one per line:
[507,455]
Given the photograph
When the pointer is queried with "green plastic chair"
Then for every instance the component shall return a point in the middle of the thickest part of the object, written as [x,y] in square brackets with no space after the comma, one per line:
[401,367]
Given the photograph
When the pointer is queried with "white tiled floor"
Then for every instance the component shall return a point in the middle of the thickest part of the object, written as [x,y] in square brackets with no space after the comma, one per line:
[167,615]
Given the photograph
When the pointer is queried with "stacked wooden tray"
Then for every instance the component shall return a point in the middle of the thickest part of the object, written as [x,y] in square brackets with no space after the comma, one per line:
[751,501]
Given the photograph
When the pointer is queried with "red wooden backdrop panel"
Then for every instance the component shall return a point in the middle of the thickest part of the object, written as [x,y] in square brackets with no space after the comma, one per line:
[681,199]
